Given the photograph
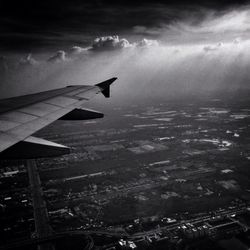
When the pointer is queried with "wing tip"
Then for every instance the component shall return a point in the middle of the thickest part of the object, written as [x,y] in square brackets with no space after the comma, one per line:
[102,85]
[105,86]
[106,83]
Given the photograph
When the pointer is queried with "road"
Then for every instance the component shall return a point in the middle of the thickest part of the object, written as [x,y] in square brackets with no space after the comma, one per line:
[41,218]
[105,233]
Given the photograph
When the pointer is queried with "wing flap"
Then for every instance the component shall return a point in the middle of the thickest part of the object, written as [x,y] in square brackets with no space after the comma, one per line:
[33,147]
[6,125]
[26,100]
[17,116]
[61,101]
[39,109]
[82,114]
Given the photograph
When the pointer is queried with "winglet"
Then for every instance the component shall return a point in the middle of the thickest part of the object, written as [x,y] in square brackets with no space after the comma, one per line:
[105,86]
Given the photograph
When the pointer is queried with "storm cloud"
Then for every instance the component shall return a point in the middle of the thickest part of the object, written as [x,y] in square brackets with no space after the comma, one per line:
[171,59]
[49,24]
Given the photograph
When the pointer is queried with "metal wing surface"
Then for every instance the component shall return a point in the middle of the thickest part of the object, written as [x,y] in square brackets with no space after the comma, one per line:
[20,117]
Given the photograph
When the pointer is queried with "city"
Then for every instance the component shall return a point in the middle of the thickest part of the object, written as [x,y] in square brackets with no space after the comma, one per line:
[168,174]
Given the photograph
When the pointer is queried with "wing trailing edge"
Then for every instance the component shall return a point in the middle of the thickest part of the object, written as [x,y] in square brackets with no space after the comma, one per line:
[82,114]
[32,148]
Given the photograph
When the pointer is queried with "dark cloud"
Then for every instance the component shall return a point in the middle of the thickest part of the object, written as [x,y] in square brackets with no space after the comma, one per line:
[26,25]
[156,51]
[144,67]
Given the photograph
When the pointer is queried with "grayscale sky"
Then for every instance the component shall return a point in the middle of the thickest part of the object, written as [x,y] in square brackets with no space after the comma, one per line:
[155,48]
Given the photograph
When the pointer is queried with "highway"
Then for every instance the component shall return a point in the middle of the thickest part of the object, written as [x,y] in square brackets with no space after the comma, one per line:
[40,212]
[42,226]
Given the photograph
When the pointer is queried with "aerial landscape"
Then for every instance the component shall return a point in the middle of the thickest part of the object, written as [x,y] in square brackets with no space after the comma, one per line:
[125,125]
[144,171]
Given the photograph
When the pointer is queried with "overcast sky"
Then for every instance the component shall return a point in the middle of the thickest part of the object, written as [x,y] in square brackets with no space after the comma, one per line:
[152,46]
[29,25]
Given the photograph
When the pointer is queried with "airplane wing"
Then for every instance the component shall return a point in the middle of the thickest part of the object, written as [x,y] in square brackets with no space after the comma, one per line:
[20,117]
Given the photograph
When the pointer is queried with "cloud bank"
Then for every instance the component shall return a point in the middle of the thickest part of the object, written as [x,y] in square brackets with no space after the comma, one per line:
[186,58]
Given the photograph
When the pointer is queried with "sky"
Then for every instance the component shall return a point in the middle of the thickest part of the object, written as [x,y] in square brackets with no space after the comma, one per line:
[155,48]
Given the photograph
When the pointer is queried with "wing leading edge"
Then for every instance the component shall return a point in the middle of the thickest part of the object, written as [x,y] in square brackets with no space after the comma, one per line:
[20,117]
